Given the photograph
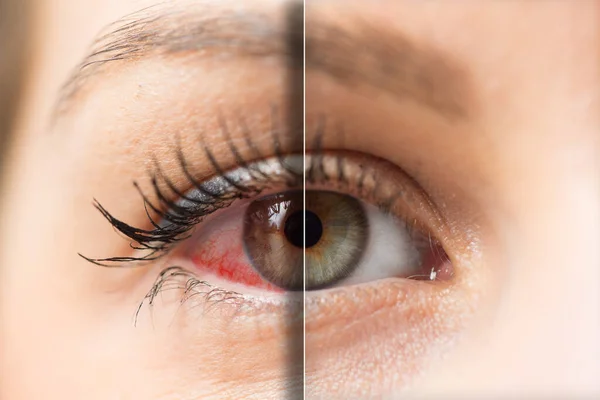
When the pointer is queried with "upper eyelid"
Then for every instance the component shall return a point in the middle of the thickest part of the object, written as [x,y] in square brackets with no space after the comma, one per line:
[160,239]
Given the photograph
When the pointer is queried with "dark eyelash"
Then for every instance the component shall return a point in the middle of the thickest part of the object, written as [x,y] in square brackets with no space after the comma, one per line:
[177,278]
[158,241]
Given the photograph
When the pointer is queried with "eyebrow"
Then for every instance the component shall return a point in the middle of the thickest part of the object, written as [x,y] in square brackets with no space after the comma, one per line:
[378,57]
[390,61]
[158,31]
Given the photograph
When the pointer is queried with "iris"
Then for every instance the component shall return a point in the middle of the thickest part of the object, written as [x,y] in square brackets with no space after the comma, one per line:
[334,241]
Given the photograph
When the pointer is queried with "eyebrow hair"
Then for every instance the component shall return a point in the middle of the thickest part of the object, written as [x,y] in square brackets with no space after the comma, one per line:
[156,31]
[388,60]
[379,57]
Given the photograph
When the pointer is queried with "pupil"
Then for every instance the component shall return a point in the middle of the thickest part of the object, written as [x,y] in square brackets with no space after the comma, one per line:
[293,228]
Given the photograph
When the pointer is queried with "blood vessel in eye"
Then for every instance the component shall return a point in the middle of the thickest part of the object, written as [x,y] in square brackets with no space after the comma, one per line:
[222,256]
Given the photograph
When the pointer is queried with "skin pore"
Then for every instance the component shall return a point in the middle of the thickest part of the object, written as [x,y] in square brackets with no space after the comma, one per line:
[497,123]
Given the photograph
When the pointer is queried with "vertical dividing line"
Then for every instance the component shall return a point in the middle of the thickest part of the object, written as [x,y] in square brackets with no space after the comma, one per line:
[295,118]
[304,197]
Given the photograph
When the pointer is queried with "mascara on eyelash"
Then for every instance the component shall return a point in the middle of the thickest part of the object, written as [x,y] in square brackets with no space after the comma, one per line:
[177,218]
[230,182]
[173,220]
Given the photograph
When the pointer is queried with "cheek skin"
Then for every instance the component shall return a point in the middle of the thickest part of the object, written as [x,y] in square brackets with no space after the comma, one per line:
[383,332]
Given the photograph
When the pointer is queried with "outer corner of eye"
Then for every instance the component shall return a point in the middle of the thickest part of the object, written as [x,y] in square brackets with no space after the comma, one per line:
[435,264]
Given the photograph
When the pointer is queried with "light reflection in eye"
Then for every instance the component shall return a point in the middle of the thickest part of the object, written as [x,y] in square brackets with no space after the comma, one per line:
[336,233]
[277,213]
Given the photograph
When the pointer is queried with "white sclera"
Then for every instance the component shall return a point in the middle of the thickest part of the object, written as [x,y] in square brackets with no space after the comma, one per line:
[390,250]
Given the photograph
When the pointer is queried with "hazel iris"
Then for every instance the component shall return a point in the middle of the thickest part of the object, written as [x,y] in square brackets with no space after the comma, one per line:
[334,241]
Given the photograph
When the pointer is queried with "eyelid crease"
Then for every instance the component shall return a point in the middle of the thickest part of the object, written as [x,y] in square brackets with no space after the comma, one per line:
[219,192]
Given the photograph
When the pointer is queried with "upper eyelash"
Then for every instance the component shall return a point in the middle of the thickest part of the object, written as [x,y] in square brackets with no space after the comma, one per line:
[160,239]
[156,242]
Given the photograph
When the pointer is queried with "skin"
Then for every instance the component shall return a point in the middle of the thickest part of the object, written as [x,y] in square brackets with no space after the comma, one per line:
[515,177]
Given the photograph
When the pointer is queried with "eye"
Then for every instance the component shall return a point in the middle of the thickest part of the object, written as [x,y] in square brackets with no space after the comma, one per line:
[242,230]
[364,220]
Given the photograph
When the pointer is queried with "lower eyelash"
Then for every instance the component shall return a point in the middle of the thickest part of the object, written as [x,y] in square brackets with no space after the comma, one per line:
[199,294]
[178,278]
